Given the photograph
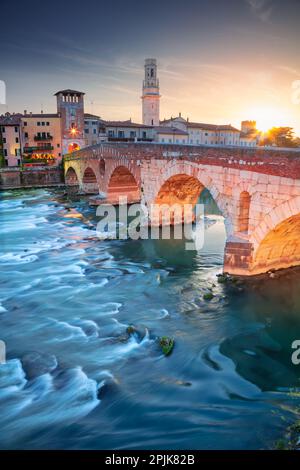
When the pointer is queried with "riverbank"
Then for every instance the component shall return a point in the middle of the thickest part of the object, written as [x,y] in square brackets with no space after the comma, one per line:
[38,177]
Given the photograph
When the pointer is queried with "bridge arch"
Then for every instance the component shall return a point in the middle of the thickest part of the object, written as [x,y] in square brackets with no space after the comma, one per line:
[71,177]
[280,248]
[122,182]
[186,181]
[276,240]
[89,181]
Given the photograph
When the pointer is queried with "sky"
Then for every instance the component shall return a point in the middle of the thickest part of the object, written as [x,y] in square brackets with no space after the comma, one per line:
[219,61]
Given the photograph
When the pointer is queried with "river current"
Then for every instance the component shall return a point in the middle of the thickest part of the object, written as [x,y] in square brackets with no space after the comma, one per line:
[74,378]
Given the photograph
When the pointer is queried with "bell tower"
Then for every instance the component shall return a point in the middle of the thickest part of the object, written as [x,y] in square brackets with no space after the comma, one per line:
[151,96]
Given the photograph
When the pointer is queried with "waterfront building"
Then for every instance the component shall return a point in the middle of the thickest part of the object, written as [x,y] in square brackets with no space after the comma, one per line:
[171,135]
[128,131]
[205,134]
[11,139]
[41,138]
[94,129]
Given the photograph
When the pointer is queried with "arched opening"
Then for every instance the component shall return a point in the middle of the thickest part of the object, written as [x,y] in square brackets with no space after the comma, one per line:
[71,177]
[122,183]
[73,147]
[89,181]
[102,167]
[175,194]
[176,199]
[244,210]
[280,248]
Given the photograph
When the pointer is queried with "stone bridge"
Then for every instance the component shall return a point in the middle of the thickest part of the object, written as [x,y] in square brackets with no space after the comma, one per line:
[257,191]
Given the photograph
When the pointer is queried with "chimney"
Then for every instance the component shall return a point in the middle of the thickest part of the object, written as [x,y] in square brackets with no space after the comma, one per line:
[25,111]
[179,113]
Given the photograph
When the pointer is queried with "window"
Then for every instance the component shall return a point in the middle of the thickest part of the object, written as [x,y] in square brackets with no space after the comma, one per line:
[5,152]
[121,134]
[47,123]
[111,133]
[43,123]
[17,140]
[26,135]
[58,145]
[25,123]
[95,131]
[162,139]
[38,123]
[132,134]
[16,152]
[16,129]
[3,129]
[144,134]
[4,140]
[86,131]
[6,163]
[19,162]
[59,155]
[206,133]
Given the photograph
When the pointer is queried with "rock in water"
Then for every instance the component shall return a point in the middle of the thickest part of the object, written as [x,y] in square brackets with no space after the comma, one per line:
[166,344]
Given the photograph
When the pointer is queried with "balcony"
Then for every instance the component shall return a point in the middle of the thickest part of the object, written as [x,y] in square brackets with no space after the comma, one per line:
[41,138]
[41,149]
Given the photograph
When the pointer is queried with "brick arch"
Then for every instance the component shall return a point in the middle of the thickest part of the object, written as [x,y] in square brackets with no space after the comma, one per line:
[204,178]
[275,217]
[112,164]
[71,177]
[89,181]
[280,248]
[122,181]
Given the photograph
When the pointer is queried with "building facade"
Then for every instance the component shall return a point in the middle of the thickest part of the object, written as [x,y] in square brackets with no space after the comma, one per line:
[11,139]
[41,138]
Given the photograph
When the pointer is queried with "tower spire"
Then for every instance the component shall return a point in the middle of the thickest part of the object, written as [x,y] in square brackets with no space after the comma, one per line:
[151,96]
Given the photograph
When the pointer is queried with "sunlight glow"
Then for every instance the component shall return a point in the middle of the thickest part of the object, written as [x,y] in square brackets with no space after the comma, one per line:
[266,118]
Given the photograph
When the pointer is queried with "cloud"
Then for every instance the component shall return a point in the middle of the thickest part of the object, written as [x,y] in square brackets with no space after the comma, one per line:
[262,9]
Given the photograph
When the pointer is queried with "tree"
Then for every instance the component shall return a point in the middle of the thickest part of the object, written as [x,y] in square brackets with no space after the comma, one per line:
[281,137]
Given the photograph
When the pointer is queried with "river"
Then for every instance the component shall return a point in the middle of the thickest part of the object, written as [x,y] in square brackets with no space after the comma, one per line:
[75,379]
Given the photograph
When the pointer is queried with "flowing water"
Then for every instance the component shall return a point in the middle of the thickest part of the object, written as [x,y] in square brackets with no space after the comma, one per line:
[74,378]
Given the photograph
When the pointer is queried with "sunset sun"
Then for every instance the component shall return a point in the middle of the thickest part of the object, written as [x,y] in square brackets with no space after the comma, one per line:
[268,117]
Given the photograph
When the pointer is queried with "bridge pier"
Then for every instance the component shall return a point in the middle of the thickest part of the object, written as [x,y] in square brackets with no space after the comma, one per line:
[238,257]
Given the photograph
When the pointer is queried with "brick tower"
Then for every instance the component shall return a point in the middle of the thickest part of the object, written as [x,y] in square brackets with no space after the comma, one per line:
[70,105]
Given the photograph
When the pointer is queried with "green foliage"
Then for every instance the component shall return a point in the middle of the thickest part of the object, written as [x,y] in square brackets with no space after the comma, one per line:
[281,137]
[166,344]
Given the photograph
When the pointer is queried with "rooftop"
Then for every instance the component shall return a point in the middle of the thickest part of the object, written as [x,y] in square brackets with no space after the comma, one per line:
[69,92]
[170,130]
[127,123]
[10,119]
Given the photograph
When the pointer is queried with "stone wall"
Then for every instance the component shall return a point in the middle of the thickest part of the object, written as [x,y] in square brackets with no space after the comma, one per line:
[13,178]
